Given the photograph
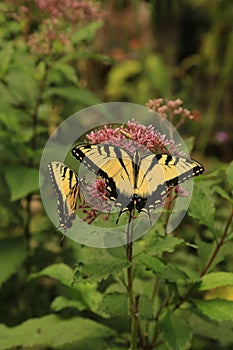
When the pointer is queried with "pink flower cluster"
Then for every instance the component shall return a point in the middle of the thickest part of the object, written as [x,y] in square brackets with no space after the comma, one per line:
[55,21]
[169,109]
[139,134]
[75,11]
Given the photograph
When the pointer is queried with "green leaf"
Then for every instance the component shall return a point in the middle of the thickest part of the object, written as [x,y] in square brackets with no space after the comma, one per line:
[176,331]
[53,330]
[67,70]
[21,181]
[12,254]
[61,272]
[61,303]
[167,244]
[75,94]
[165,271]
[223,193]
[114,304]
[145,307]
[229,173]
[97,266]
[220,332]
[189,143]
[202,207]
[216,279]
[86,33]
[6,54]
[157,73]
[119,75]
[25,93]
[216,309]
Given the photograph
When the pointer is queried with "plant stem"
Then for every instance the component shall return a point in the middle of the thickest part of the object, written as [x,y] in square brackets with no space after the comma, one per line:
[133,303]
[218,246]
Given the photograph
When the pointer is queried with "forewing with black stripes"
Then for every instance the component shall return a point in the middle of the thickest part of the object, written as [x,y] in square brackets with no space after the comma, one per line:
[136,180]
[65,184]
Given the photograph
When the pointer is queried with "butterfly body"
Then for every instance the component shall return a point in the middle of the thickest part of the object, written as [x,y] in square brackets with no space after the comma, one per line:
[135,180]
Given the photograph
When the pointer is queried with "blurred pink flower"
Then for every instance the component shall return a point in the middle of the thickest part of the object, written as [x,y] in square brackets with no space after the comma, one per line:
[48,25]
[169,109]
[222,136]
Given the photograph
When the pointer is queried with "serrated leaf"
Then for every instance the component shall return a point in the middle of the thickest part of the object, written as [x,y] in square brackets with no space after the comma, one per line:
[167,244]
[98,266]
[202,207]
[54,330]
[176,331]
[229,173]
[21,181]
[12,254]
[61,272]
[216,279]
[216,309]
[114,304]
[61,303]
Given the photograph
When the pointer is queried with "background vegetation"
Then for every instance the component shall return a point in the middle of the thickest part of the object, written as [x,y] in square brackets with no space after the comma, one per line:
[56,58]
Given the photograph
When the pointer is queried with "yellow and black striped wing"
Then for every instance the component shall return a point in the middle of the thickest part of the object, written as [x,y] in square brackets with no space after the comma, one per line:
[65,184]
[161,171]
[136,180]
[112,163]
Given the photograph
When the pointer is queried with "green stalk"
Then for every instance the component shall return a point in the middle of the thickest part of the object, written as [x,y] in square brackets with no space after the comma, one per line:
[133,302]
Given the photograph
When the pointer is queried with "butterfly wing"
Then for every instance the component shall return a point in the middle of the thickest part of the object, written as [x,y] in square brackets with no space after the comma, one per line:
[65,184]
[161,171]
[112,163]
[140,179]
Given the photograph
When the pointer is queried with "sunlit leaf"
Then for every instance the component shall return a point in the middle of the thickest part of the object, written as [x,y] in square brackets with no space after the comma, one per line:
[216,309]
[114,304]
[216,279]
[61,303]
[61,272]
[53,330]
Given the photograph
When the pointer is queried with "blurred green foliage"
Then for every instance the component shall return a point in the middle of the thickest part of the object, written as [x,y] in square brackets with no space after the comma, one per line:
[76,297]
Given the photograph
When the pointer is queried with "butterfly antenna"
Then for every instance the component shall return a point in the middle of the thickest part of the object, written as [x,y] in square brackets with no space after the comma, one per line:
[63,236]
[62,241]
[118,218]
